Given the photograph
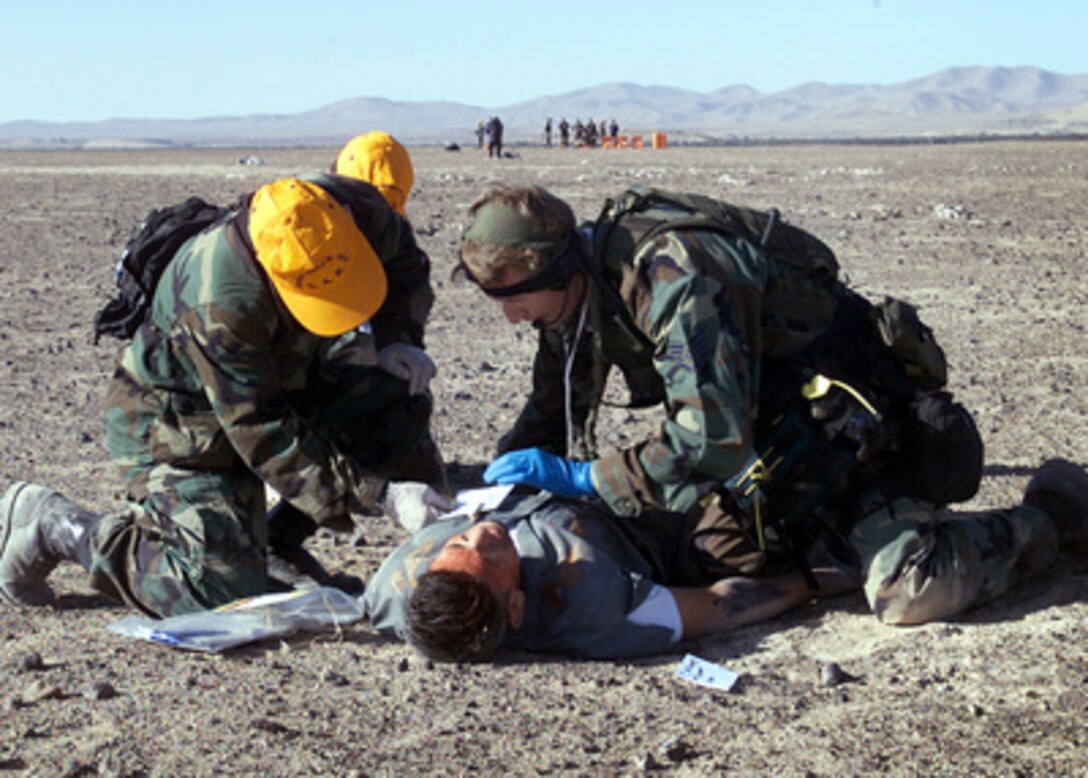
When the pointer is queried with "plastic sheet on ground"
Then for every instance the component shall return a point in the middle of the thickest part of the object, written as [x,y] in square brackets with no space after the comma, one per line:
[247,620]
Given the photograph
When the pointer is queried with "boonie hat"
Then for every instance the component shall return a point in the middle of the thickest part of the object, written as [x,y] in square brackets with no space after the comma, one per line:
[324,268]
[380,160]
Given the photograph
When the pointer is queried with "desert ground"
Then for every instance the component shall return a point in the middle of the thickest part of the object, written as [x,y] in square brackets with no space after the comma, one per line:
[988,239]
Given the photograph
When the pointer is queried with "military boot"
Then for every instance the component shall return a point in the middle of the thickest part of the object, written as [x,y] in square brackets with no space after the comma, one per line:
[39,528]
[1059,489]
[290,565]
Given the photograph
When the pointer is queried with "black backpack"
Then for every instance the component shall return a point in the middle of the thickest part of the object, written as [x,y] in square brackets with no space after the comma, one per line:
[150,247]
[838,438]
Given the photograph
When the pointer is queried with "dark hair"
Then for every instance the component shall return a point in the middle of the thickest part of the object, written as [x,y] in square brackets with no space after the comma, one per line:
[453,617]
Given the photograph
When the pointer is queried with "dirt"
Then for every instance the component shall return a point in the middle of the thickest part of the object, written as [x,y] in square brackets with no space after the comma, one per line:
[988,239]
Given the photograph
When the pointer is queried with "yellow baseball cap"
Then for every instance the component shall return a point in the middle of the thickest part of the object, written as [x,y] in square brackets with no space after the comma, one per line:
[324,268]
[380,160]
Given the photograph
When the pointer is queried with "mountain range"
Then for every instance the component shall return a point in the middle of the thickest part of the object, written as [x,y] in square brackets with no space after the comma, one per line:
[960,101]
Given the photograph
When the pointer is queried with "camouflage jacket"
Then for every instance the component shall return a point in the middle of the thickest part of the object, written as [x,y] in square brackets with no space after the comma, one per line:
[699,297]
[221,375]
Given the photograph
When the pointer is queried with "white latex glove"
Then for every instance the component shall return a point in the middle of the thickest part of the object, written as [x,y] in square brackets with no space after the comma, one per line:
[410,363]
[413,504]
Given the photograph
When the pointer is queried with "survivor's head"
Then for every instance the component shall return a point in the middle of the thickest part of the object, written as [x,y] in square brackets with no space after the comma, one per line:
[523,250]
[463,605]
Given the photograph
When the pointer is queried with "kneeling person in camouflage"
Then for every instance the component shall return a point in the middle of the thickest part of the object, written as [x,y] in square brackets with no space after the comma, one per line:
[786,400]
[226,390]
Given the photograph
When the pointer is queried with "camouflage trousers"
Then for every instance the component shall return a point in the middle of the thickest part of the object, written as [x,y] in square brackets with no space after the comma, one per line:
[918,562]
[194,538]
[921,564]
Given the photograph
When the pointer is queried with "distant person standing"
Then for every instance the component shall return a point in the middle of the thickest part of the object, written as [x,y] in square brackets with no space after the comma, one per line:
[480,130]
[493,130]
[564,132]
[614,132]
[548,132]
[589,138]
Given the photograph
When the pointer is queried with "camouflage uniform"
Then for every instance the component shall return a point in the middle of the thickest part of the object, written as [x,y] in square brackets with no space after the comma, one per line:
[701,299]
[698,296]
[221,391]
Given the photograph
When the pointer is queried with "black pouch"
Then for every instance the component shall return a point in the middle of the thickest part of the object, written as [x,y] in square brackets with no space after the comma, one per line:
[943,449]
[912,343]
[829,441]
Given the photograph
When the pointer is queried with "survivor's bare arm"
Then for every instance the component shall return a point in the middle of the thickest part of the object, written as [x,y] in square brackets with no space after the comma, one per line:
[736,602]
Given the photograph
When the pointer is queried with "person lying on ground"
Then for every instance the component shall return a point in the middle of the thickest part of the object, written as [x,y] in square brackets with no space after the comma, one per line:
[553,574]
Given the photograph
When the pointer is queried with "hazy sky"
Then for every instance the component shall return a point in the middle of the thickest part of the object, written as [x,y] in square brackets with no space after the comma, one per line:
[100,59]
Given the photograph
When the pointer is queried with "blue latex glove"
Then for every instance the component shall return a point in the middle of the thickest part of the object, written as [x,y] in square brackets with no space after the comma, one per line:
[538,468]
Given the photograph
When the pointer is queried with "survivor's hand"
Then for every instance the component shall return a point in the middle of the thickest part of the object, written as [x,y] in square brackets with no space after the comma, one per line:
[414,505]
[532,466]
[410,363]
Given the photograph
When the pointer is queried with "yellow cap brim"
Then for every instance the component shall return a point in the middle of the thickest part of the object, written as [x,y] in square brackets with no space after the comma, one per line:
[362,294]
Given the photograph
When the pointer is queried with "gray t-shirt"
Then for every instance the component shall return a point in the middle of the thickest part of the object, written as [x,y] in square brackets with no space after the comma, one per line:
[582,578]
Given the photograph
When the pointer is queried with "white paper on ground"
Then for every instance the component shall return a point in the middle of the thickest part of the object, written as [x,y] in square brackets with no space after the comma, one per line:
[704,673]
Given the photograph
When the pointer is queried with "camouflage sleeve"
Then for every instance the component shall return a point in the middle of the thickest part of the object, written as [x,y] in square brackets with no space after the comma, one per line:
[542,421]
[703,328]
[241,379]
[402,317]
